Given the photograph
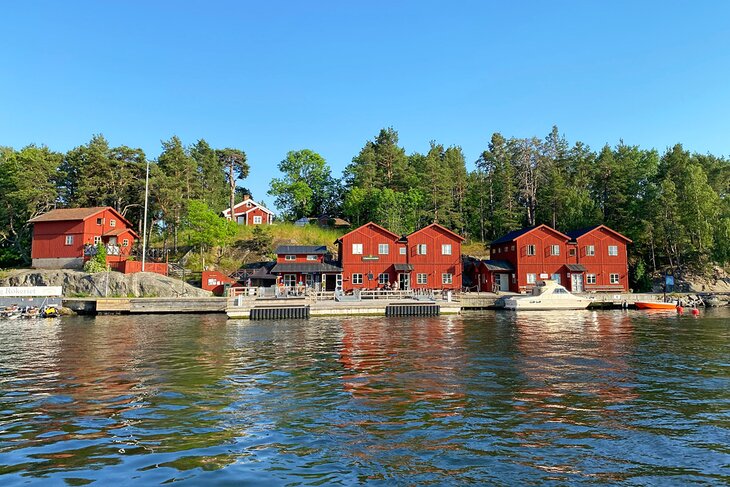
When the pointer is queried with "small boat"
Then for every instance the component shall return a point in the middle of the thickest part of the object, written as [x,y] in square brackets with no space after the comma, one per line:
[50,312]
[546,295]
[672,305]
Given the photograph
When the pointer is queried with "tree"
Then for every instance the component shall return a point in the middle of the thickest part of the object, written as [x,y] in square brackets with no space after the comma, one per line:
[206,229]
[234,161]
[211,185]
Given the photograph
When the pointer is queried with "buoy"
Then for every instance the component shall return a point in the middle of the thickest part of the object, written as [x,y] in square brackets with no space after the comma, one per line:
[680,309]
[695,312]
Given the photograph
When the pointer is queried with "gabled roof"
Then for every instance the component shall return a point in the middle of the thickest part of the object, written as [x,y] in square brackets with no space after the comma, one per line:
[524,231]
[367,225]
[440,227]
[301,249]
[576,234]
[227,211]
[76,214]
[115,232]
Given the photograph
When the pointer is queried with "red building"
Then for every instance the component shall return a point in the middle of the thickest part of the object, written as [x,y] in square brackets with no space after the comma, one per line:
[434,252]
[65,238]
[305,265]
[599,258]
[248,212]
[373,257]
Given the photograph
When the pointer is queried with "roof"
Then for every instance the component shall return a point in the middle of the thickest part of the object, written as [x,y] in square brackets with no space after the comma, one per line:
[523,231]
[303,267]
[118,231]
[76,214]
[301,249]
[576,234]
[441,227]
[227,211]
[498,265]
[576,267]
[366,225]
[403,267]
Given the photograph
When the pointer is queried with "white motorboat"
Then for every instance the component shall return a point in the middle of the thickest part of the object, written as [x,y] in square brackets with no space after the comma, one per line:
[547,294]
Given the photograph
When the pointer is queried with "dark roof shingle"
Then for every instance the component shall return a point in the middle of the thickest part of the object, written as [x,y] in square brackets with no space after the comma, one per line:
[301,249]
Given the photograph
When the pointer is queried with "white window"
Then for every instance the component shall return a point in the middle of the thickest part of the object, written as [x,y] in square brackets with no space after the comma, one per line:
[613,250]
[383,279]
[555,250]
[531,278]
[99,221]
[513,248]
[530,250]
[590,278]
[97,240]
[383,249]
[357,250]
[403,251]
[125,242]
[257,219]
[357,278]
[447,279]
[112,223]
[290,257]
[69,239]
[421,278]
[613,279]
[248,204]
[290,280]
[499,249]
[311,257]
[421,249]
[446,249]
[590,250]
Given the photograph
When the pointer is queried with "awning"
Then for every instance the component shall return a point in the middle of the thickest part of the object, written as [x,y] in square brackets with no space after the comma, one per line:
[575,268]
[498,265]
[403,267]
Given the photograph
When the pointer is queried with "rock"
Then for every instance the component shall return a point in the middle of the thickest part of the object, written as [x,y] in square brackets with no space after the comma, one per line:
[112,284]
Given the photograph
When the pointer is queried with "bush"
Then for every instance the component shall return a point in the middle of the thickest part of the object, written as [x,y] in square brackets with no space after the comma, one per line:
[92,266]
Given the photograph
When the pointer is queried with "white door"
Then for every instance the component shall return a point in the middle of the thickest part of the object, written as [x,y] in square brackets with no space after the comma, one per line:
[338,282]
[503,281]
[576,283]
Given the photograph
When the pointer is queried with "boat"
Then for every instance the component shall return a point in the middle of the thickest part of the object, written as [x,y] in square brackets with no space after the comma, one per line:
[671,305]
[50,312]
[547,295]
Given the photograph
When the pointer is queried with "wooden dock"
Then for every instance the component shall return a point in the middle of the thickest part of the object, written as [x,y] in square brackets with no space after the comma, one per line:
[145,305]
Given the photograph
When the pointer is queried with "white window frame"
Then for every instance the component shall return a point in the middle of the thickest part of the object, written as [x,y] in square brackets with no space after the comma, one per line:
[383,278]
[69,240]
[421,278]
[383,249]
[112,223]
[125,242]
[554,249]
[613,250]
[403,251]
[290,257]
[311,257]
[614,278]
[513,248]
[446,249]
[447,278]
[357,278]
[590,278]
[257,220]
[422,249]
[97,240]
[99,221]
[357,249]
[290,280]
[531,278]
[590,250]
[530,249]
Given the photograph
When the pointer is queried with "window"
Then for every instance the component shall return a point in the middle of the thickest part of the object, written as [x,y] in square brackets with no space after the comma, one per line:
[125,242]
[383,249]
[97,240]
[447,279]
[248,204]
[383,279]
[357,250]
[99,221]
[290,257]
[357,278]
[613,278]
[290,280]
[531,278]
[571,252]
[530,250]
[421,278]
[513,248]
[590,250]
[446,249]
[499,249]
[613,250]
[421,249]
[257,220]
[402,251]
[311,257]
[590,278]
[112,223]
[69,239]
[555,250]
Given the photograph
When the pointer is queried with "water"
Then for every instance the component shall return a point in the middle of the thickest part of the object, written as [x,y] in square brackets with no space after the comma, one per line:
[496,398]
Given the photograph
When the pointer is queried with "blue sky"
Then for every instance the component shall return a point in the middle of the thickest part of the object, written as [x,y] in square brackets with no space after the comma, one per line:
[269,77]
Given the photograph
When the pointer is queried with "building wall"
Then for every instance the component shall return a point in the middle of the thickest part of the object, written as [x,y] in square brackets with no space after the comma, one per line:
[601,264]
[58,263]
[434,263]
[299,259]
[214,281]
[253,209]
[370,262]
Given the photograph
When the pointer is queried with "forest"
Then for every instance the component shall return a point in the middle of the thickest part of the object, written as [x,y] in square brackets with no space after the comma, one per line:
[673,205]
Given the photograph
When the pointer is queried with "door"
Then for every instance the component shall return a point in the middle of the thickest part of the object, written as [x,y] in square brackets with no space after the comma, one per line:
[503,282]
[338,282]
[576,283]
[556,278]
[308,280]
[404,281]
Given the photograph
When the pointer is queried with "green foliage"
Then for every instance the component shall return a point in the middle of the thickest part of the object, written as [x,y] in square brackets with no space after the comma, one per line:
[97,263]
[205,228]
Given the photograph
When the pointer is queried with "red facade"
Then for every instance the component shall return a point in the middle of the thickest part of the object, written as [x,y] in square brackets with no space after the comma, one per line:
[215,282]
[299,266]
[603,253]
[435,254]
[248,212]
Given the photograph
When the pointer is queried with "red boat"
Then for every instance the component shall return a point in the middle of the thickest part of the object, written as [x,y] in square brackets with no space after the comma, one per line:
[655,305]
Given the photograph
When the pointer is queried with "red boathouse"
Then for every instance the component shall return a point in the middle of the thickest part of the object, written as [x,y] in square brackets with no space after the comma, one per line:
[434,252]
[304,265]
[598,259]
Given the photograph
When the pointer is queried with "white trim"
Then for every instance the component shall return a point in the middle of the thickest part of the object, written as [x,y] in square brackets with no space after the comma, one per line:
[227,211]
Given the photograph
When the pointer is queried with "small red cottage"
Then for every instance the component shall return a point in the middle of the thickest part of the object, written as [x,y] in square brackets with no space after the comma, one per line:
[305,265]
[248,212]
[373,257]
[434,252]
[598,260]
[65,238]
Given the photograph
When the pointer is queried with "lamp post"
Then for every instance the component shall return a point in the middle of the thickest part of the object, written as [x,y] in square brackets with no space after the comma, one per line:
[144,225]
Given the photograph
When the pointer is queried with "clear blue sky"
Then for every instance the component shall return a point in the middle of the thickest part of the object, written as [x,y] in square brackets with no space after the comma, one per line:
[269,77]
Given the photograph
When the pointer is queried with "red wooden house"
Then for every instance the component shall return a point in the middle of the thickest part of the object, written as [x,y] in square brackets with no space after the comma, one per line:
[305,265]
[434,252]
[373,257]
[248,212]
[599,259]
[65,238]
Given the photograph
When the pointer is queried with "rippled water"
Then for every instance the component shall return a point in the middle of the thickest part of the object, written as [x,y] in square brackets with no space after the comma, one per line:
[495,398]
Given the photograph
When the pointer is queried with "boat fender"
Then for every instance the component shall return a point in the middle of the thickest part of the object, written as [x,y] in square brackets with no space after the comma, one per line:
[695,312]
[680,310]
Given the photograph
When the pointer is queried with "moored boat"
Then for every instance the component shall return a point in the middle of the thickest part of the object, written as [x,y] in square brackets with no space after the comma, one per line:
[547,295]
[672,305]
